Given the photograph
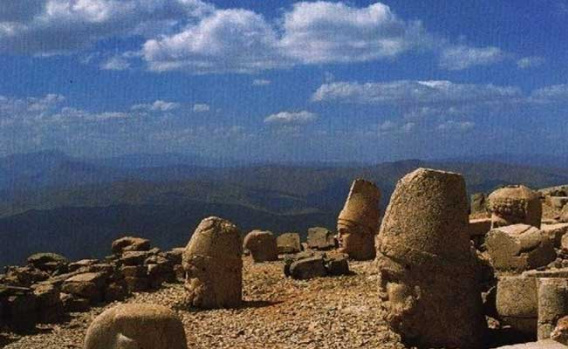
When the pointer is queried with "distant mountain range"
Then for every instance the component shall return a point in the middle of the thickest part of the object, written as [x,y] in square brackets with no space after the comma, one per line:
[52,202]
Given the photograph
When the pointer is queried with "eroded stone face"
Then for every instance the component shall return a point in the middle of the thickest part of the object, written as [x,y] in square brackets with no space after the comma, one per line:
[430,278]
[515,204]
[129,326]
[213,265]
[358,222]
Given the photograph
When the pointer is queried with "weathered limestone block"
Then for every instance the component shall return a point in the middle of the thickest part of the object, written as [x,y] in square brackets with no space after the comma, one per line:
[289,243]
[321,239]
[552,304]
[213,265]
[557,202]
[555,232]
[130,243]
[519,247]
[517,303]
[262,246]
[48,304]
[358,222]
[430,277]
[515,204]
[88,285]
[477,230]
[308,268]
[136,326]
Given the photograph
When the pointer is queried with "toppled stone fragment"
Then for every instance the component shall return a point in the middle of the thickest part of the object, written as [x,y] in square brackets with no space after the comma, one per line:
[358,222]
[555,232]
[262,246]
[49,262]
[321,239]
[519,247]
[515,204]
[560,332]
[213,265]
[136,326]
[130,243]
[289,243]
[517,303]
[88,285]
[430,278]
[552,304]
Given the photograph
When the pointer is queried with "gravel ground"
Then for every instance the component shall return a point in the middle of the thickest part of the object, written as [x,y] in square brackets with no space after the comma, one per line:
[338,312]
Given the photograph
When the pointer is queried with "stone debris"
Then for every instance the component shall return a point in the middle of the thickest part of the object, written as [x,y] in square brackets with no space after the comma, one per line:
[555,232]
[517,303]
[560,332]
[321,239]
[213,265]
[515,204]
[130,243]
[289,243]
[426,263]
[311,264]
[261,245]
[359,221]
[519,247]
[136,326]
[49,262]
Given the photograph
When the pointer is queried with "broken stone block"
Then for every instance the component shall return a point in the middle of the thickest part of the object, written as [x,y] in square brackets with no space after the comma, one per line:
[359,221]
[337,265]
[49,262]
[213,265]
[137,284]
[72,303]
[555,232]
[308,268]
[130,243]
[19,308]
[557,202]
[517,303]
[134,257]
[515,204]
[262,246]
[321,239]
[552,304]
[519,247]
[426,264]
[88,285]
[48,303]
[288,243]
[116,291]
[83,263]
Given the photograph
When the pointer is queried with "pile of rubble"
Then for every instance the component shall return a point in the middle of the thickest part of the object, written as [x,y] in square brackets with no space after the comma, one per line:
[50,286]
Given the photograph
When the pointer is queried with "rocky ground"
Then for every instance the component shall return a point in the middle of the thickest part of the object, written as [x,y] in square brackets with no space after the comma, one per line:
[331,312]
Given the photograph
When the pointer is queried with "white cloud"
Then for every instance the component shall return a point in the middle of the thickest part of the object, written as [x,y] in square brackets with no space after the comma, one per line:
[456,126]
[463,57]
[201,108]
[261,82]
[325,32]
[406,92]
[115,63]
[285,117]
[390,127]
[157,106]
[550,94]
[58,26]
[530,62]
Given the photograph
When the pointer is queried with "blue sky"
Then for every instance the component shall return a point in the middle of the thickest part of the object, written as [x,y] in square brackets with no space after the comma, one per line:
[284,81]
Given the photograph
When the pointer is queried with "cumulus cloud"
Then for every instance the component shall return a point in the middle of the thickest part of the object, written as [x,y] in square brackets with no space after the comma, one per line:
[530,62]
[115,63]
[60,26]
[157,106]
[288,118]
[463,57]
[201,108]
[456,126]
[198,38]
[261,82]
[390,127]
[406,92]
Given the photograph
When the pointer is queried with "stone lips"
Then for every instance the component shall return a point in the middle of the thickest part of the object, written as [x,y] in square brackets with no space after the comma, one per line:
[136,326]
[213,265]
[515,204]
[427,265]
[358,222]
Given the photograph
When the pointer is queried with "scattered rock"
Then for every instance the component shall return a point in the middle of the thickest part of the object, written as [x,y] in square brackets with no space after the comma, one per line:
[560,332]
[262,246]
[321,239]
[517,303]
[289,243]
[49,262]
[130,243]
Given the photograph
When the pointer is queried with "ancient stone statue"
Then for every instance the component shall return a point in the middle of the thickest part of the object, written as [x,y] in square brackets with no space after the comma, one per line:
[515,204]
